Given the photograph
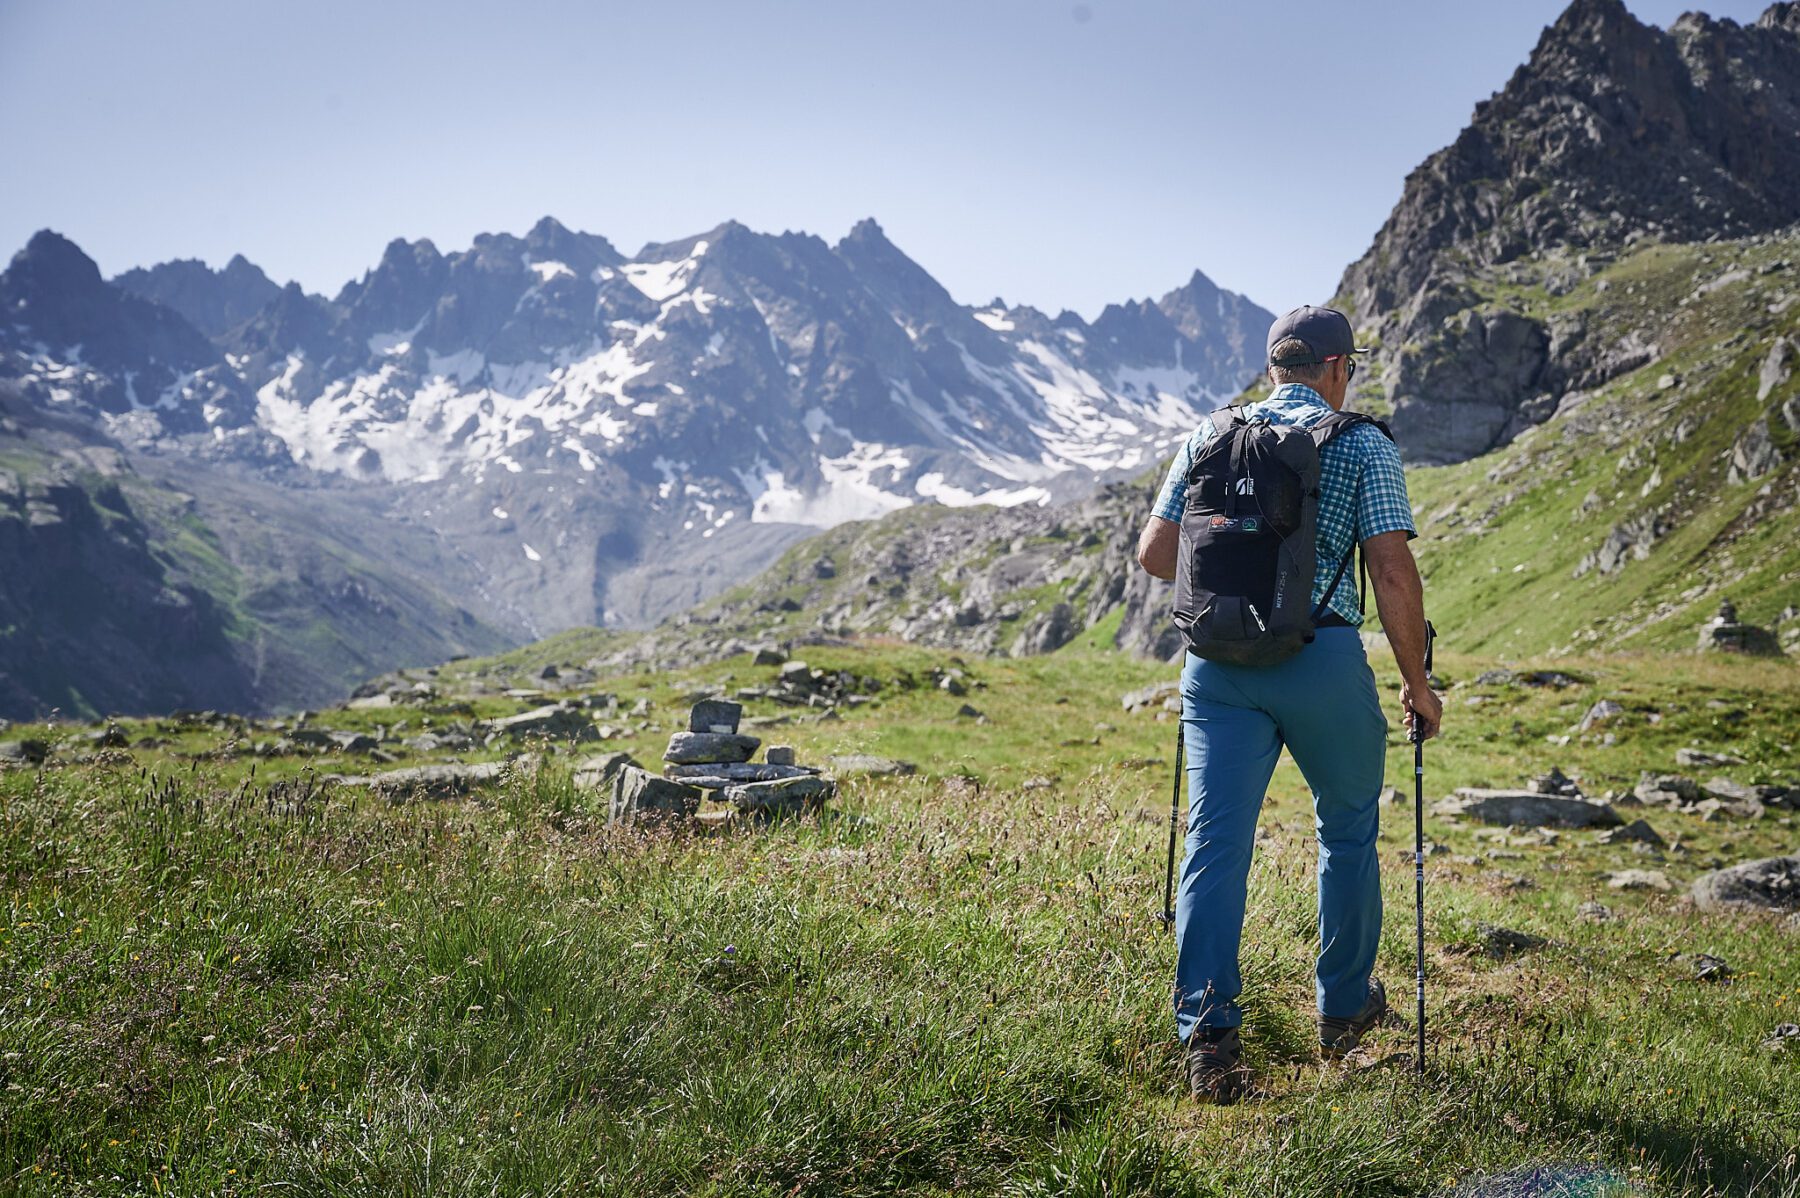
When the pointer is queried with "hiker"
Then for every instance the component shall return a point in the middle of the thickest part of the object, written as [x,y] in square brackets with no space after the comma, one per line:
[1320,701]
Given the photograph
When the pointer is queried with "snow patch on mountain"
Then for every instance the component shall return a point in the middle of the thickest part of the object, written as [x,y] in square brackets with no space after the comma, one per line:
[660,281]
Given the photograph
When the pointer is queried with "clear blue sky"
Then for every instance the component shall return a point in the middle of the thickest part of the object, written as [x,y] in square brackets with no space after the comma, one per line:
[1054,152]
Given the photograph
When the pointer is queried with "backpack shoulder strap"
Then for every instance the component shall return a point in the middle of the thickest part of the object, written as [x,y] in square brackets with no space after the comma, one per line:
[1327,430]
[1223,418]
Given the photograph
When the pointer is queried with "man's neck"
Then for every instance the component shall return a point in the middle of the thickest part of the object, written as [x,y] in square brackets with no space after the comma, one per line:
[1305,391]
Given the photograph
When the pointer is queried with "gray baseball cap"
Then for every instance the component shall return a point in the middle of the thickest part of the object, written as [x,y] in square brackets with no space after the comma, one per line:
[1326,332]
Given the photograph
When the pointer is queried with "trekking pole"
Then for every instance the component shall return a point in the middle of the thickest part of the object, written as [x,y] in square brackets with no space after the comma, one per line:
[1413,734]
[1168,914]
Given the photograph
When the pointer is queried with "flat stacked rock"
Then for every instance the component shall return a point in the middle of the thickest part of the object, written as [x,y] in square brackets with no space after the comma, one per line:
[711,760]
[1527,808]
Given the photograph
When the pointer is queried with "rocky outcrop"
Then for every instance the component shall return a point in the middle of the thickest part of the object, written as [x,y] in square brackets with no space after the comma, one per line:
[91,621]
[1614,131]
[1014,581]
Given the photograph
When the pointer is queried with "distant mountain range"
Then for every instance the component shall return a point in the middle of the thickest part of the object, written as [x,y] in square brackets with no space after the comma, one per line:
[591,438]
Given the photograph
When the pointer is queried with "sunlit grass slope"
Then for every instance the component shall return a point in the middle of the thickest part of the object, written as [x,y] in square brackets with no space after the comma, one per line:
[954,983]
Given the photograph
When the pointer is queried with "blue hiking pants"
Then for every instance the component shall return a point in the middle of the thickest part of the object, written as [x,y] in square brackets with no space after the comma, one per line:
[1320,703]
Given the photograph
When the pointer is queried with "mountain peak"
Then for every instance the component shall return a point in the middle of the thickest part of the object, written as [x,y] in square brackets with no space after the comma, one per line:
[546,229]
[49,253]
[1589,16]
[865,230]
[1784,16]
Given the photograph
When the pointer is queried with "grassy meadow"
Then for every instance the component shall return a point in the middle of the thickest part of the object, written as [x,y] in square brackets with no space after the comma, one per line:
[219,974]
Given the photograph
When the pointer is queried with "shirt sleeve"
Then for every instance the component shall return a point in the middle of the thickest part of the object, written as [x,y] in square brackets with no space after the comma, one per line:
[1171,500]
[1381,501]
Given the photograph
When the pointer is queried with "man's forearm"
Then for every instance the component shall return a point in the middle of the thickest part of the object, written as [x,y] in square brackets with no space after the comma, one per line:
[1400,598]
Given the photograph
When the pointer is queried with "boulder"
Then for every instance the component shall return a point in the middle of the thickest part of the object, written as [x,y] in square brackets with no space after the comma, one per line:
[1500,943]
[1639,879]
[1527,808]
[1594,912]
[1047,632]
[1753,454]
[23,752]
[1714,808]
[1778,367]
[434,781]
[786,796]
[1599,713]
[638,794]
[352,742]
[870,765]
[1150,696]
[1772,884]
[768,655]
[1555,783]
[558,721]
[715,715]
[1701,759]
[1637,831]
[686,748]
[1666,790]
[779,755]
[594,773]
[1725,790]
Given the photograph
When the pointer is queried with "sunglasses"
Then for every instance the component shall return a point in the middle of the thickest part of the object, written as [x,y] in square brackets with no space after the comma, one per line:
[1349,365]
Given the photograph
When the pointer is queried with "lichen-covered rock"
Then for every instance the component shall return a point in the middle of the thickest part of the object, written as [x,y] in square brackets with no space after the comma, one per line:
[1772,884]
[638,794]
[1527,808]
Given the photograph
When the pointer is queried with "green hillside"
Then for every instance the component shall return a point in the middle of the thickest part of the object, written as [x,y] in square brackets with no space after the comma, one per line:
[1504,537]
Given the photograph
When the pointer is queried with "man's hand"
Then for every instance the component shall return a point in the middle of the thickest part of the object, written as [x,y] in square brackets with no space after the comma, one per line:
[1424,711]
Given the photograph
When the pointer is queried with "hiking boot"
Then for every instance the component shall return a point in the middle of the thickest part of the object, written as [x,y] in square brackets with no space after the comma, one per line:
[1216,1073]
[1337,1037]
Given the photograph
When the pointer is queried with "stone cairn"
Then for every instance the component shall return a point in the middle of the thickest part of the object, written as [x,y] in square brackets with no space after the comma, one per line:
[1726,633]
[711,762]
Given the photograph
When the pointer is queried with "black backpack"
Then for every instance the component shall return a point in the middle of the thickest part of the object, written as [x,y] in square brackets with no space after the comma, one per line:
[1244,579]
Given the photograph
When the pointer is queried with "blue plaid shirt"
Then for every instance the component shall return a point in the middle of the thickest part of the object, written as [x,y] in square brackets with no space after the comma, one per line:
[1362,489]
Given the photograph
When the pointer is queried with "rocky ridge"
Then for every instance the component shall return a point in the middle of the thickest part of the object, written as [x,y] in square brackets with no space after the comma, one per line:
[1613,134]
